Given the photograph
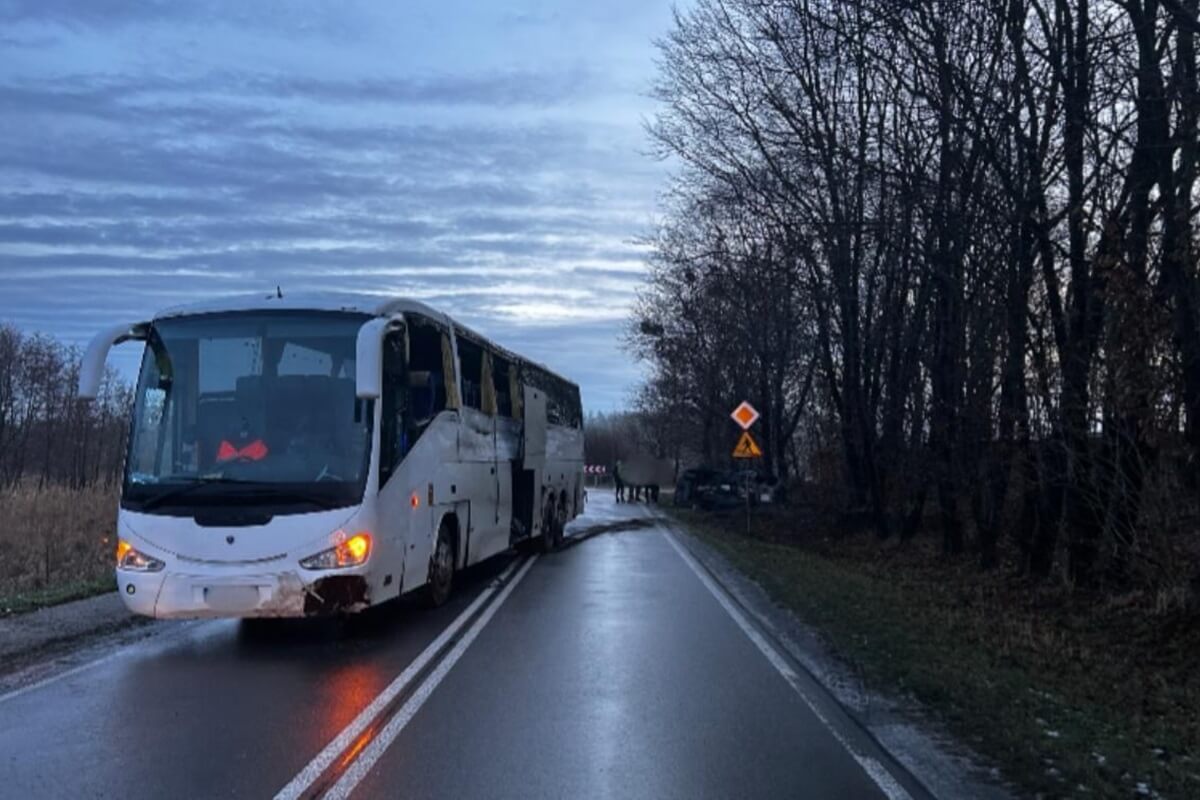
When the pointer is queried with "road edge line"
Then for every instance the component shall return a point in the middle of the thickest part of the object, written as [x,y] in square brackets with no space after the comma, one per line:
[760,634]
[362,765]
[122,651]
[58,676]
[313,770]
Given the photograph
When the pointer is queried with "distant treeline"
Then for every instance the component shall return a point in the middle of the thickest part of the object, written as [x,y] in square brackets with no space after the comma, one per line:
[609,438]
[953,246]
[48,436]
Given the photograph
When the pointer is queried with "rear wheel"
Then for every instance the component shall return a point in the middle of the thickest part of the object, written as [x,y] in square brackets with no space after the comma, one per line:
[551,527]
[560,523]
[440,582]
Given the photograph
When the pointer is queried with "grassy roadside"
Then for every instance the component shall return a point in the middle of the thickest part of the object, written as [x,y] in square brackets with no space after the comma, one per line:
[1068,698]
[56,545]
[24,602]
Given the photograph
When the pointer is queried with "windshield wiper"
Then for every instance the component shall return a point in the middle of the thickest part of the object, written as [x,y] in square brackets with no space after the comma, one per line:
[255,490]
[157,500]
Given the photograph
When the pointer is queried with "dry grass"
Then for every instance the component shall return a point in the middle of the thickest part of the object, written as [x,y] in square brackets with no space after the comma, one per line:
[55,544]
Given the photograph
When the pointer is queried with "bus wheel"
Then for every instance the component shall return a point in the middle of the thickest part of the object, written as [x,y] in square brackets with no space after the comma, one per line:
[440,582]
[549,538]
[560,521]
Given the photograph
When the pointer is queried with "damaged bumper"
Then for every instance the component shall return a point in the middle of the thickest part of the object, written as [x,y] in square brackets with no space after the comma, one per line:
[172,595]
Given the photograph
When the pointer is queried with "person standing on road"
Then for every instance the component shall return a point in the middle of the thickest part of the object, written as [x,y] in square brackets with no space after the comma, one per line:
[618,482]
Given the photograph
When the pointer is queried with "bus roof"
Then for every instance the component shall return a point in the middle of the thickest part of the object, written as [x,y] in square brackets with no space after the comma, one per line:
[362,303]
[375,305]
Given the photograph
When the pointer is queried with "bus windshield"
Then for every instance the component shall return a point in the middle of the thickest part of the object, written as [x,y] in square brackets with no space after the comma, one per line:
[249,409]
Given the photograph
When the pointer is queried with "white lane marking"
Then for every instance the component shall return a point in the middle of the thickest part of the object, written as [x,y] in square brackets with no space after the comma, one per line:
[321,762]
[875,770]
[362,765]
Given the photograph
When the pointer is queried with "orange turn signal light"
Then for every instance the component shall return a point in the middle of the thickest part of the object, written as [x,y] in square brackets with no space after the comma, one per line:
[415,500]
[358,547]
[123,548]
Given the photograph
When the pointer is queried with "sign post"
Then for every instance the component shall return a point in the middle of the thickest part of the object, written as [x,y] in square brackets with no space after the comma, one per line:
[745,415]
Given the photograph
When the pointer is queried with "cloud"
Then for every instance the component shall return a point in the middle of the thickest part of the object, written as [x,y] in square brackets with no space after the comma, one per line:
[207,100]
[294,16]
[485,191]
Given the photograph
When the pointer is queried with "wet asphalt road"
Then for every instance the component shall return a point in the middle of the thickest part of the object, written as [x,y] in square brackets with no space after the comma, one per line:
[608,669]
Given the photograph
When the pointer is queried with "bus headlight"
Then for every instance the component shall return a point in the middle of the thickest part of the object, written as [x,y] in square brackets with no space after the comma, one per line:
[349,553]
[132,560]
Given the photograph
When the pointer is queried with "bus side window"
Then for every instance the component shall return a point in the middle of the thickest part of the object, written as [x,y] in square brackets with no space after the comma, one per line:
[514,391]
[426,378]
[487,385]
[502,385]
[562,398]
[393,432]
[557,410]
[575,407]
[554,403]
[566,402]
[470,360]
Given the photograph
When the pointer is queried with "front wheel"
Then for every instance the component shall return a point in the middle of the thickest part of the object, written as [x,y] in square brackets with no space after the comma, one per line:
[440,582]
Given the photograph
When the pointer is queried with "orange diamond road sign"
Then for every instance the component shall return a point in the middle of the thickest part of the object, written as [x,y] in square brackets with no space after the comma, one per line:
[747,447]
[745,415]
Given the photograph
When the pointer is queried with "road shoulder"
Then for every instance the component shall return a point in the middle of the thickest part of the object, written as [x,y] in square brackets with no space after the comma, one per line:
[900,726]
[40,643]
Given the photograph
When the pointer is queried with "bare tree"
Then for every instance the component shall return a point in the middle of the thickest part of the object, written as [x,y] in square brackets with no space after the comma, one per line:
[46,435]
[977,220]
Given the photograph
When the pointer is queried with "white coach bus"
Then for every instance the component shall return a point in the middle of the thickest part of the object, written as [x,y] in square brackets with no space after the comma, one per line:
[322,454]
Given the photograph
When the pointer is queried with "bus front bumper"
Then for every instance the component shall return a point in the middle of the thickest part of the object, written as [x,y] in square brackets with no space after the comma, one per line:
[174,595]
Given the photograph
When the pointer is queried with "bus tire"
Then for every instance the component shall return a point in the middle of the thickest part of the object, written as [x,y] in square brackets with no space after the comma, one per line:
[560,521]
[549,538]
[439,584]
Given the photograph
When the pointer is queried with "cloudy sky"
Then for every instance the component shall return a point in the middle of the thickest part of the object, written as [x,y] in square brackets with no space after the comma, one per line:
[485,157]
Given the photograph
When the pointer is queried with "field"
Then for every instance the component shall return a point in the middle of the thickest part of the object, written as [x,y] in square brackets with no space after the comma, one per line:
[1071,695]
[56,544]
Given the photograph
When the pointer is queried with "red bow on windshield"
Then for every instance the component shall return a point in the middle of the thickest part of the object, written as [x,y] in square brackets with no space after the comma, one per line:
[255,451]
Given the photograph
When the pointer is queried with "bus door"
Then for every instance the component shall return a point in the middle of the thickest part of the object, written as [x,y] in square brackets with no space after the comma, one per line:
[528,482]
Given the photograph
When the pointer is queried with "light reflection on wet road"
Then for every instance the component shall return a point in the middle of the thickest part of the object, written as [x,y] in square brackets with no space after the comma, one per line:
[610,671]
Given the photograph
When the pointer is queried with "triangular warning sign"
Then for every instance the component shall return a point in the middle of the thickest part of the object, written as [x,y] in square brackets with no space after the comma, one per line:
[747,447]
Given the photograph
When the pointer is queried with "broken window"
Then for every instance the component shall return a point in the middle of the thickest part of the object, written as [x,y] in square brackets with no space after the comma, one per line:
[487,386]
[429,386]
[562,397]
[502,383]
[514,390]
[470,362]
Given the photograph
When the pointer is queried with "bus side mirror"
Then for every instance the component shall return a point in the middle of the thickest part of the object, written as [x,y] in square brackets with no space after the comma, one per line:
[91,368]
[368,357]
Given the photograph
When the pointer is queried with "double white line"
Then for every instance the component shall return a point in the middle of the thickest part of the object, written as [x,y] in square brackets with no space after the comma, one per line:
[360,762]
